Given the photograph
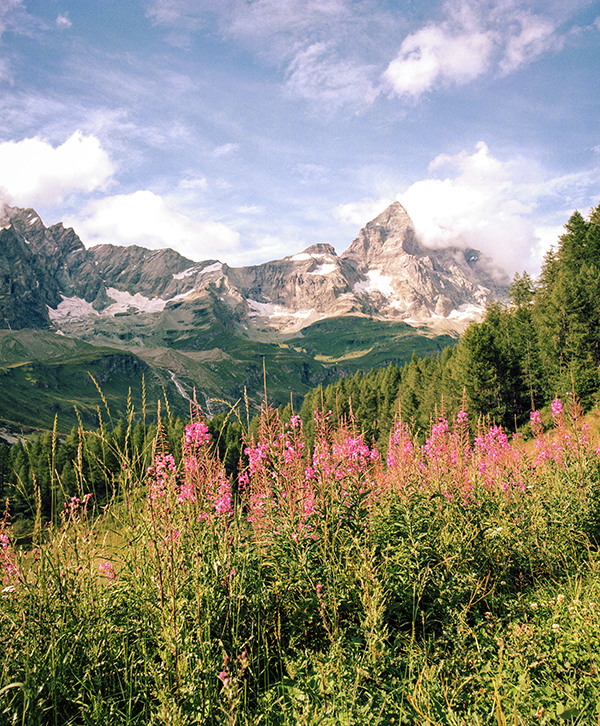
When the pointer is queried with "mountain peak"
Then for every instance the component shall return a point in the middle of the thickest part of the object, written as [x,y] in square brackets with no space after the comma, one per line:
[389,234]
[394,214]
[320,249]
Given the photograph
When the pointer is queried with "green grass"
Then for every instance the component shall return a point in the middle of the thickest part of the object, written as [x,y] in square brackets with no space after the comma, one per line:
[459,585]
[363,343]
[43,375]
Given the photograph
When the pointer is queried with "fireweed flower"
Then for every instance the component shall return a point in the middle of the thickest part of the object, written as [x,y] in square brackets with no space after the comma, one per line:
[196,436]
[498,461]
[161,476]
[557,408]
[107,570]
[72,506]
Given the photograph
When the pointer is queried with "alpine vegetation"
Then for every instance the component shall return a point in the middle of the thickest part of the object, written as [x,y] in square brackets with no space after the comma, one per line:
[454,581]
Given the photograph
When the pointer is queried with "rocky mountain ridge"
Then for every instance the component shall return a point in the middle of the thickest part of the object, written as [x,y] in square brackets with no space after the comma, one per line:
[164,327]
[50,279]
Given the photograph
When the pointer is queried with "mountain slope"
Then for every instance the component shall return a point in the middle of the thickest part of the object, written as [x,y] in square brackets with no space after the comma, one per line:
[206,327]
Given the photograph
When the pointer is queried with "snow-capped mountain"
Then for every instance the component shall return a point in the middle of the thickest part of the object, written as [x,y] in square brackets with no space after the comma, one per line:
[166,325]
[49,278]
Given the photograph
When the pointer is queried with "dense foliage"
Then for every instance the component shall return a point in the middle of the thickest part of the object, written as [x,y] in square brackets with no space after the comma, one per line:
[455,582]
[545,343]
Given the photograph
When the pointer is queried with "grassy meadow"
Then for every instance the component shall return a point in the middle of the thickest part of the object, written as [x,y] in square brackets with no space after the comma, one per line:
[455,582]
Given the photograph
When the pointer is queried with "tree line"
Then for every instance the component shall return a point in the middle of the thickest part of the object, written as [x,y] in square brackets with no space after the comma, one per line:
[544,343]
[40,476]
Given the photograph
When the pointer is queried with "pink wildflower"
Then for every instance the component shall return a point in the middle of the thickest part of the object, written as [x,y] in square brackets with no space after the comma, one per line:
[196,435]
[161,475]
[462,417]
[107,570]
[557,408]
[186,493]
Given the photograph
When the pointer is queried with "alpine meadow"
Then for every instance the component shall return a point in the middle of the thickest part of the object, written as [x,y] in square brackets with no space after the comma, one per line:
[413,544]
[300,363]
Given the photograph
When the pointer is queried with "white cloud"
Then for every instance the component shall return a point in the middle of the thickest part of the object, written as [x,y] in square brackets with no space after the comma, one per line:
[33,172]
[359,213]
[535,37]
[317,74]
[434,54]
[475,38]
[145,219]
[479,202]
[63,22]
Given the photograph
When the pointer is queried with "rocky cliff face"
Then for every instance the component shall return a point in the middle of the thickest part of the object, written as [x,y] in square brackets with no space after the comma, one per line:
[385,273]
[48,277]
[408,281]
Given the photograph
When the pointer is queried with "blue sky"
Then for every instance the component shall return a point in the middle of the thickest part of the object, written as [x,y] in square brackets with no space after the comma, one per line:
[246,130]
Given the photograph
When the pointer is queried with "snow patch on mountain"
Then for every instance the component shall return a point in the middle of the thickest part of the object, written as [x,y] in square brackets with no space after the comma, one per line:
[325,269]
[71,307]
[305,256]
[269,310]
[125,300]
[376,282]
[186,273]
[263,310]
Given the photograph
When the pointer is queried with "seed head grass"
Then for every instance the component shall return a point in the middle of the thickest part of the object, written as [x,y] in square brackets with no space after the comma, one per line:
[455,582]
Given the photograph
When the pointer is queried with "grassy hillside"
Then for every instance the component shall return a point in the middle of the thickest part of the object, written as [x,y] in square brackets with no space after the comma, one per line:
[358,343]
[174,355]
[43,375]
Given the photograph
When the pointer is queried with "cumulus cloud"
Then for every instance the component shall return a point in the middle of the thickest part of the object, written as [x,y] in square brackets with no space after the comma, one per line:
[145,219]
[435,54]
[63,22]
[475,200]
[33,172]
[473,39]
